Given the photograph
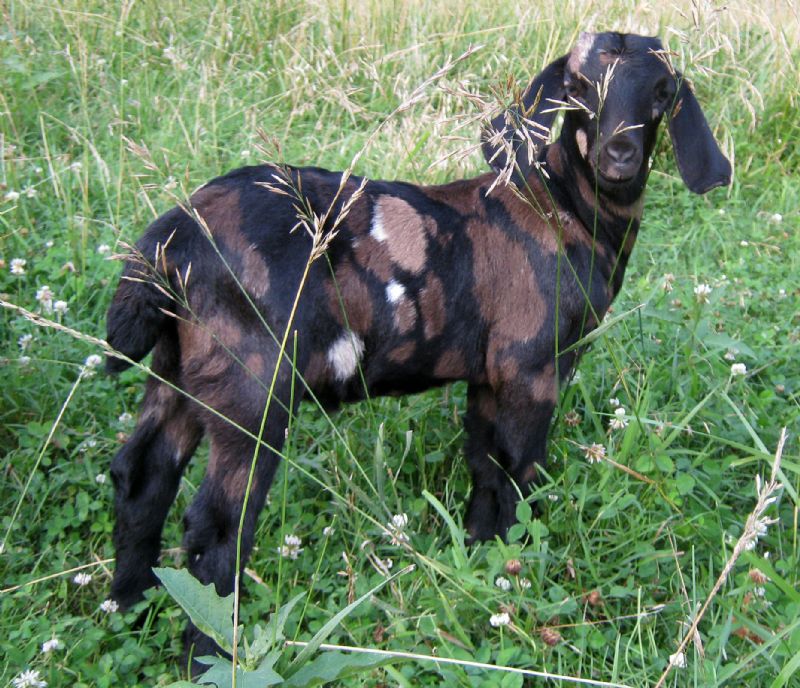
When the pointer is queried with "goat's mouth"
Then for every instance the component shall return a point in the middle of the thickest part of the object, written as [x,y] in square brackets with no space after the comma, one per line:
[616,177]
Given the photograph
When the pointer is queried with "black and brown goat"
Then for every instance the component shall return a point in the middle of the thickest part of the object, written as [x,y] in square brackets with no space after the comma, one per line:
[421,286]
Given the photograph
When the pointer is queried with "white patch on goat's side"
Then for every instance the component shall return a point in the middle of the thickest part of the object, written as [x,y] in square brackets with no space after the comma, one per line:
[394,291]
[583,145]
[377,231]
[345,354]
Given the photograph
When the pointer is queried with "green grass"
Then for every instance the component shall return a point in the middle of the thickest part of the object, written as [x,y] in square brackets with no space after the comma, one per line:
[108,114]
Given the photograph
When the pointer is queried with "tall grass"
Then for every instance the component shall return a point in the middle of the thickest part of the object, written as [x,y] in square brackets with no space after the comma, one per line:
[108,114]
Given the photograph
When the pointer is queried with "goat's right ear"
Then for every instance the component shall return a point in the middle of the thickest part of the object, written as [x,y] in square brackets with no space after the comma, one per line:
[531,115]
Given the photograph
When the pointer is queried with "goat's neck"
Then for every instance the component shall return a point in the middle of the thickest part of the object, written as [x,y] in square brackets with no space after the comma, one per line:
[612,222]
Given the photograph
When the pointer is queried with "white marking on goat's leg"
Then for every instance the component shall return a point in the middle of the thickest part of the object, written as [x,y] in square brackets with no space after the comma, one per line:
[377,231]
[583,145]
[394,291]
[345,354]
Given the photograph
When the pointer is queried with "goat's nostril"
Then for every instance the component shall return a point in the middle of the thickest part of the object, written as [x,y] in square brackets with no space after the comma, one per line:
[621,152]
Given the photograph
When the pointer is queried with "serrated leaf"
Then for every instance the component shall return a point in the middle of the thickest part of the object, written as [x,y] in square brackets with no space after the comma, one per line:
[212,614]
[336,666]
[220,674]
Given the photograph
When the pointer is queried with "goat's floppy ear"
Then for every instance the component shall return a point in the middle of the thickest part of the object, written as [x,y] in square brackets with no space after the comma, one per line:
[700,161]
[549,84]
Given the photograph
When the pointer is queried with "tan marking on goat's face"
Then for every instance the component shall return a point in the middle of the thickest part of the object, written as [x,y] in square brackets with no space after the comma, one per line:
[583,143]
[405,315]
[403,232]
[355,299]
[581,51]
[402,353]
[450,366]
[505,286]
[432,306]
[373,255]
[543,388]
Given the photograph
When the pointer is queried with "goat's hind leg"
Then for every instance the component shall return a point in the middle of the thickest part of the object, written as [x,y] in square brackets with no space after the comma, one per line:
[146,473]
[212,520]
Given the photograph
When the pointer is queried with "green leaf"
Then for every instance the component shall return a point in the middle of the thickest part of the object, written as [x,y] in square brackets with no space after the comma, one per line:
[336,666]
[684,482]
[334,621]
[220,674]
[456,533]
[212,614]
[524,511]
[664,463]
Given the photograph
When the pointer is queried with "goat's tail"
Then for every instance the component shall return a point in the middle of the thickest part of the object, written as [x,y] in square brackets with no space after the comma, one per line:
[138,315]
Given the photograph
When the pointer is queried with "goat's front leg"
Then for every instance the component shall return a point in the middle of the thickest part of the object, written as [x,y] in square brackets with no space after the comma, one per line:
[508,427]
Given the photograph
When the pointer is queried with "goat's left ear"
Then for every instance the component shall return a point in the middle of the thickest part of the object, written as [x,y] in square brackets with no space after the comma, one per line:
[532,116]
[700,161]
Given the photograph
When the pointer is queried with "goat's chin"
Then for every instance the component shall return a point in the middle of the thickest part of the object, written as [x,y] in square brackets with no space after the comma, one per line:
[627,187]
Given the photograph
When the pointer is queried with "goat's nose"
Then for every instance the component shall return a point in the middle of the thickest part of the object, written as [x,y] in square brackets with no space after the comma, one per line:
[621,151]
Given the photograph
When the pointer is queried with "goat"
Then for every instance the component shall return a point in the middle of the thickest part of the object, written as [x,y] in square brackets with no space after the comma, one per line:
[421,286]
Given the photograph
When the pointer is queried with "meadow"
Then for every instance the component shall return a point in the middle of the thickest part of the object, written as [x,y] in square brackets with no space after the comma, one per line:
[112,112]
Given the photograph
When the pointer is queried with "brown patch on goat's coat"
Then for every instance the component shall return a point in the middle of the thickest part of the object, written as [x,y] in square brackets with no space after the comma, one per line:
[356,300]
[373,255]
[400,354]
[451,365]
[505,284]
[544,385]
[581,51]
[405,315]
[403,231]
[432,306]
[254,362]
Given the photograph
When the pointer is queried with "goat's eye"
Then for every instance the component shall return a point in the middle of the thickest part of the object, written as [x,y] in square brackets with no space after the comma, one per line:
[574,89]
[662,94]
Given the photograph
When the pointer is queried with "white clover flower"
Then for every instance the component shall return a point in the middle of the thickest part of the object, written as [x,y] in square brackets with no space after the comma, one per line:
[618,422]
[524,583]
[49,243]
[11,196]
[702,292]
[290,548]
[82,578]
[44,295]
[328,530]
[501,619]
[30,192]
[730,354]
[396,528]
[552,497]
[60,307]
[51,645]
[760,591]
[738,369]
[594,453]
[93,361]
[76,166]
[244,154]
[744,243]
[24,341]
[613,402]
[776,218]
[18,266]
[24,361]
[109,606]
[101,478]
[669,279]
[28,679]
[125,418]
[678,660]
[503,583]
[103,249]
